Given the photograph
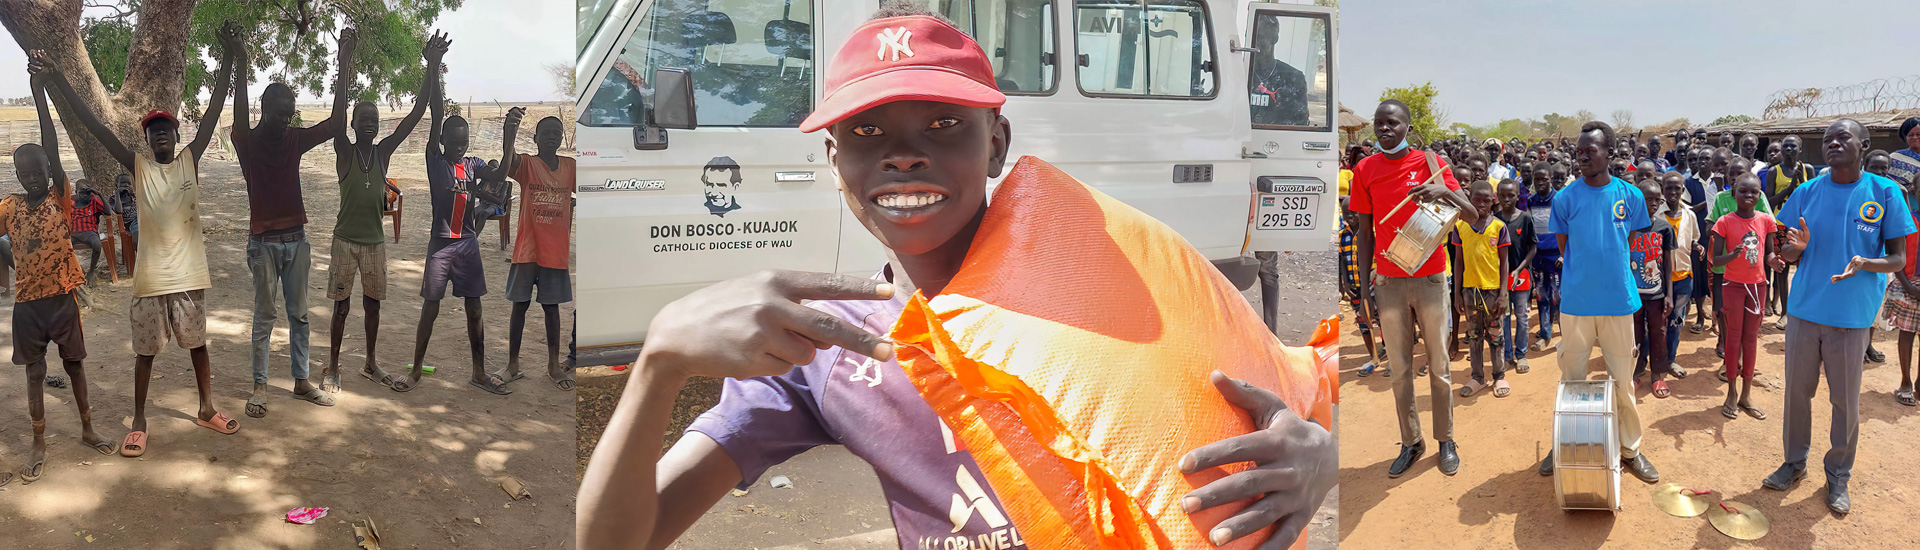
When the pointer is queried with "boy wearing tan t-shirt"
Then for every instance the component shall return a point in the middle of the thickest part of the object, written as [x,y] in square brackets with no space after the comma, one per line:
[170,275]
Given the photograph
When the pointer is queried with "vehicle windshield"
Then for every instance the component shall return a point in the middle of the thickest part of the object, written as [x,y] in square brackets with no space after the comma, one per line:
[591,16]
[752,63]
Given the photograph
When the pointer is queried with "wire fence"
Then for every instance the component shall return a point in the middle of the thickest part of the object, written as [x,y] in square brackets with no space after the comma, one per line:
[1871,96]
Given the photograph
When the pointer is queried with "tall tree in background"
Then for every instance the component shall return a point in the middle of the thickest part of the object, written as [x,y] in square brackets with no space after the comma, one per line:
[565,85]
[1623,121]
[153,54]
[1419,100]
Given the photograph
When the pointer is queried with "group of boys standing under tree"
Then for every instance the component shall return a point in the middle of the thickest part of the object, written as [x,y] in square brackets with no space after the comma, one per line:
[1844,230]
[171,275]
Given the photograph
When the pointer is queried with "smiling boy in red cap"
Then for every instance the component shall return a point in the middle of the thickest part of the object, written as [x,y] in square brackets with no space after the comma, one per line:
[914,135]
[170,275]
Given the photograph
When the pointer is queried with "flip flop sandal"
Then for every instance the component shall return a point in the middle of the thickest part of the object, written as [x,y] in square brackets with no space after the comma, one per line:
[1423,371]
[511,379]
[1697,328]
[257,403]
[565,382]
[55,381]
[1753,412]
[316,396]
[1660,390]
[493,385]
[1366,370]
[1501,389]
[32,473]
[330,380]
[1905,397]
[105,447]
[384,379]
[134,445]
[219,423]
[1678,371]
[1722,375]
[1729,412]
[1472,387]
[5,478]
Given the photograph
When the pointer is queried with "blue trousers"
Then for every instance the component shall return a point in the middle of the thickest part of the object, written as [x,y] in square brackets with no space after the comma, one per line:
[1682,296]
[1546,286]
[1513,327]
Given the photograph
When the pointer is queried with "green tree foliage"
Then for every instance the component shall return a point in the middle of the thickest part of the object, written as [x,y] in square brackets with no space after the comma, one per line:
[289,41]
[1419,100]
[107,42]
[1733,119]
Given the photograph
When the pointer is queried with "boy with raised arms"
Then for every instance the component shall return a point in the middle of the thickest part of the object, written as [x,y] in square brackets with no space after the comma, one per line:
[170,274]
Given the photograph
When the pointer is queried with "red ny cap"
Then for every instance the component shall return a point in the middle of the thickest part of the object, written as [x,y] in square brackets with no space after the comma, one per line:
[911,58]
[156,113]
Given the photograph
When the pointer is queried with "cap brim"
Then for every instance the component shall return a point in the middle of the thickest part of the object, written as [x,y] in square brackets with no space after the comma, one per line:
[902,85]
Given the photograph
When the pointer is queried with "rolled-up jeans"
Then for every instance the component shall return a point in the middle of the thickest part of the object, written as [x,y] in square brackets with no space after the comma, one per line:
[1403,302]
[1513,327]
[286,260]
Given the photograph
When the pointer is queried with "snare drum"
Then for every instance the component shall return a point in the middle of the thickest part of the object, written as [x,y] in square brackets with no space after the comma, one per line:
[1586,446]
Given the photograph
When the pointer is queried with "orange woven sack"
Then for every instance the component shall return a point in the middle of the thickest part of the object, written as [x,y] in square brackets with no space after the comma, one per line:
[1070,355]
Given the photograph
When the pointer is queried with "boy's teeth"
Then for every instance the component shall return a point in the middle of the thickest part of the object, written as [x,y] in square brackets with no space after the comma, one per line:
[909,200]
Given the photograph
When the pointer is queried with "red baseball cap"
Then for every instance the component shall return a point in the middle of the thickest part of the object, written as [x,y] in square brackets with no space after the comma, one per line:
[910,58]
[156,113]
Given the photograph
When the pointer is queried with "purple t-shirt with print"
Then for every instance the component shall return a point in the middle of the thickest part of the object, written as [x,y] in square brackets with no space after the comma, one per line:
[934,490]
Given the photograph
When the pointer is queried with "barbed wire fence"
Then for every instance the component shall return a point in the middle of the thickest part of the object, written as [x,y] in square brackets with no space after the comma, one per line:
[1871,96]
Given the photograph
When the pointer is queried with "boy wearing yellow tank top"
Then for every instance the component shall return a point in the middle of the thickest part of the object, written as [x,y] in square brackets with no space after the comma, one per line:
[170,275]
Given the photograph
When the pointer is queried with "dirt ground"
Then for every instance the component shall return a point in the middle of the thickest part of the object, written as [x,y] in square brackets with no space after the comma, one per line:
[793,518]
[425,465]
[1498,500]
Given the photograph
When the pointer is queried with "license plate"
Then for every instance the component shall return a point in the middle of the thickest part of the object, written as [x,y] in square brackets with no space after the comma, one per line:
[1286,212]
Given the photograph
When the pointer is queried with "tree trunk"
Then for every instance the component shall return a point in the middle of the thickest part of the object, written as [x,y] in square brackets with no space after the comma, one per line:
[155,67]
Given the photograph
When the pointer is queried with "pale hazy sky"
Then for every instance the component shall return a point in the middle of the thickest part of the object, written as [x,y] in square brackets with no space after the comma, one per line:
[513,39]
[1700,59]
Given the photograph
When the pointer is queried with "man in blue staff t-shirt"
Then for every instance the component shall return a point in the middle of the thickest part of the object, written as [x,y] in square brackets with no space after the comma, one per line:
[1839,224]
[1591,219]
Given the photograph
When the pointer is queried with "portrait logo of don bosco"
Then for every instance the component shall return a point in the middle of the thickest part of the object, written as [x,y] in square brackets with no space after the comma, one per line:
[1871,212]
[721,178]
[1620,210]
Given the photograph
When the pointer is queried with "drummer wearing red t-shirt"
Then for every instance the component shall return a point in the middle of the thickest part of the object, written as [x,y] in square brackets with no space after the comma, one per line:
[1380,183]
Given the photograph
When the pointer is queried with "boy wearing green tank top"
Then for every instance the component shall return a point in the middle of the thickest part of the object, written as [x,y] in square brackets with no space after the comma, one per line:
[359,239]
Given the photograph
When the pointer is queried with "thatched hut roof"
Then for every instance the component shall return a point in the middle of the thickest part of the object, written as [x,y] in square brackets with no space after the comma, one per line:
[1350,121]
[1875,122]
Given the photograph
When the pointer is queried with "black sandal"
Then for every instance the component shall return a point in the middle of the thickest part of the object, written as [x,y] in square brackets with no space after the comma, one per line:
[494,385]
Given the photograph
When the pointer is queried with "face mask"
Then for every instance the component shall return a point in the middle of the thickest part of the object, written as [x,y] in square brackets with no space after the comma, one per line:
[1396,149]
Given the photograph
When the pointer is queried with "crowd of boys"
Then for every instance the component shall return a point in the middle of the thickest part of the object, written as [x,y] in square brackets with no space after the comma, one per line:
[1612,239]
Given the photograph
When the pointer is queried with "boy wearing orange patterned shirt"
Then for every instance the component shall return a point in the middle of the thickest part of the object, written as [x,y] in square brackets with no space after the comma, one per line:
[45,310]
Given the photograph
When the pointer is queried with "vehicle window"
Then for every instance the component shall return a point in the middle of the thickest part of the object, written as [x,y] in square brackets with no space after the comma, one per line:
[590,17]
[1287,83]
[1157,48]
[1016,34]
[752,63]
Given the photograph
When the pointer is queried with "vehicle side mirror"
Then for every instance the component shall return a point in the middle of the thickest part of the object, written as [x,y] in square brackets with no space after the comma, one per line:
[673,99]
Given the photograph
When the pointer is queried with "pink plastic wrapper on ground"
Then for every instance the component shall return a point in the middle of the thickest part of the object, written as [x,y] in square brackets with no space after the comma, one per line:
[306,516]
